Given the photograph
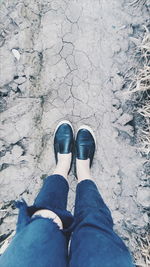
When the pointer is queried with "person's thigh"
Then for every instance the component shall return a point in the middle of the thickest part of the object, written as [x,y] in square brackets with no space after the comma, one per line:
[40,244]
[94,243]
[94,247]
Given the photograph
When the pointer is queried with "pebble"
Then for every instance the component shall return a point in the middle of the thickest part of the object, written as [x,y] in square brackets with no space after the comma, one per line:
[16,53]
[20,80]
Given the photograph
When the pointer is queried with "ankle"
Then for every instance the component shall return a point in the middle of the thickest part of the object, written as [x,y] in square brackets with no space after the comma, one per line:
[83,170]
[63,165]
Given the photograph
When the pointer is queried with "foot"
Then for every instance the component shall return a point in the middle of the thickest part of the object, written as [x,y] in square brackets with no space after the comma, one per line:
[63,148]
[85,148]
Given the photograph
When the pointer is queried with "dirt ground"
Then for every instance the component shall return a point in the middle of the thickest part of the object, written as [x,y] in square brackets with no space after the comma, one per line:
[71,60]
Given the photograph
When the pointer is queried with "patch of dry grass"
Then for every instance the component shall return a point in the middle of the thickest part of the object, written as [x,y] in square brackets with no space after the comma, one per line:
[140,93]
[144,136]
[142,256]
[142,80]
[141,87]
[143,84]
[137,2]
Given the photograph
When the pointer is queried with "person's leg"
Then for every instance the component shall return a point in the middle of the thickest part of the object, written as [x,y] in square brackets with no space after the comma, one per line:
[39,239]
[93,243]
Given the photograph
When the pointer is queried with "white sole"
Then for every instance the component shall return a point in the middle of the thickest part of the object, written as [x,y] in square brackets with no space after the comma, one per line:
[62,122]
[89,129]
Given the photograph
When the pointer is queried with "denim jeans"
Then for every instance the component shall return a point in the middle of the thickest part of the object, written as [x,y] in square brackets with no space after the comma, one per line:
[39,242]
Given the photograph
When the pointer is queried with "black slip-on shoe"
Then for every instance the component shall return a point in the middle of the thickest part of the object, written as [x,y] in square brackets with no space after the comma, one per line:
[85,144]
[63,140]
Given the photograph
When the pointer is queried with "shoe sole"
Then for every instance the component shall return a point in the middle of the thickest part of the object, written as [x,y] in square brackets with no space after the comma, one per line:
[86,127]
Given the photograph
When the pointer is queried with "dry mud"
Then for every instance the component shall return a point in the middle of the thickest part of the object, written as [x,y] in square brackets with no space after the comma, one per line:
[68,60]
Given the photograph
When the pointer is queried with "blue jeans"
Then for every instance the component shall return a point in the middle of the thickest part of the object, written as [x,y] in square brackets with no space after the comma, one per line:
[40,243]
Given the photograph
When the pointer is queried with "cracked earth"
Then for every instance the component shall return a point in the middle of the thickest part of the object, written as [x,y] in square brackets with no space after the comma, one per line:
[68,60]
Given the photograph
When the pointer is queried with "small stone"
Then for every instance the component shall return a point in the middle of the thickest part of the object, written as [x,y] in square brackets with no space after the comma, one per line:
[19,80]
[125,118]
[22,87]
[16,53]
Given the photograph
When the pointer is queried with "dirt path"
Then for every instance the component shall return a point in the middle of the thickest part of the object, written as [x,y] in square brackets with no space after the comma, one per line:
[67,60]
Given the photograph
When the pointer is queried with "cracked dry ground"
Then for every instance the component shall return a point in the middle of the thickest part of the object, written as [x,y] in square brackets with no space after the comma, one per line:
[67,60]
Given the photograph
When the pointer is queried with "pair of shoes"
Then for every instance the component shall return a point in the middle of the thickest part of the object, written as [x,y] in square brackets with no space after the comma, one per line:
[83,146]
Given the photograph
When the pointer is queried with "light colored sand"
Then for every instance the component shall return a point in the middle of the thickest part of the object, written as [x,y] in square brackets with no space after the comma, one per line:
[70,63]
